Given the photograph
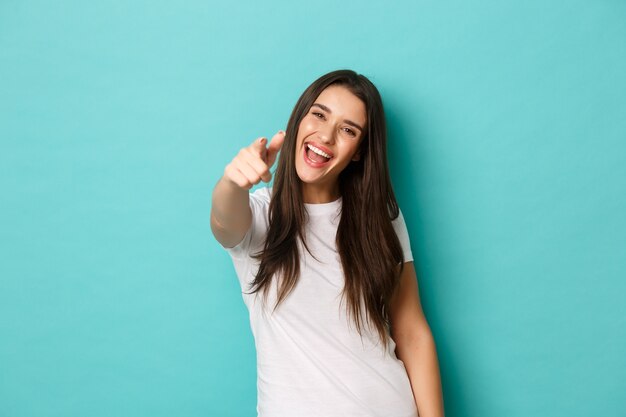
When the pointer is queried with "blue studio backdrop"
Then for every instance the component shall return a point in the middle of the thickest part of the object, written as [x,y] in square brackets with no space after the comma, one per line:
[507,125]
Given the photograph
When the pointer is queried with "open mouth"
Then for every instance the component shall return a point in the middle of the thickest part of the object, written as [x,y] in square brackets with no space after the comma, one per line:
[316,155]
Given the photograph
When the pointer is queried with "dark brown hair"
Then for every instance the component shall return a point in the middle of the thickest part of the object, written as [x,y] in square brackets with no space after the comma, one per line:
[371,255]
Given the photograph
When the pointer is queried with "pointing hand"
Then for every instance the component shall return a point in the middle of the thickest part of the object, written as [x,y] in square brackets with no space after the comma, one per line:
[252,164]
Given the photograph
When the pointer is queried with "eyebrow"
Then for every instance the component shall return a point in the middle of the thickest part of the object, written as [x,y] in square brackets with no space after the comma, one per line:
[326,109]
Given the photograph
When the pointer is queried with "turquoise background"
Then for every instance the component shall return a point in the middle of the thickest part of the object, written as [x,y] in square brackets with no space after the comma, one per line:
[508,154]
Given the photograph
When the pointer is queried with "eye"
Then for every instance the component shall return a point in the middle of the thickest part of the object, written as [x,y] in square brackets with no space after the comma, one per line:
[318,115]
[349,131]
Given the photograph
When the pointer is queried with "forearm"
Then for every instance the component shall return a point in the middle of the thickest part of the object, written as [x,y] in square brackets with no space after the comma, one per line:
[420,360]
[230,212]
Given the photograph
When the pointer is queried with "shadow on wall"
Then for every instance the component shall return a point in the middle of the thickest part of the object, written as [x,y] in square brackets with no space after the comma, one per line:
[409,172]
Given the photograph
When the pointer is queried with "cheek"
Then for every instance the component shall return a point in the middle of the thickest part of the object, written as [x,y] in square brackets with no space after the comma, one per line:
[352,147]
[307,125]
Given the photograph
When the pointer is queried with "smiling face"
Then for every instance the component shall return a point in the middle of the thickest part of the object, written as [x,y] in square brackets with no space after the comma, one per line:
[329,136]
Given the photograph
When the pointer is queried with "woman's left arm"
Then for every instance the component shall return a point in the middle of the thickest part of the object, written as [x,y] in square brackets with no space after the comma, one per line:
[415,345]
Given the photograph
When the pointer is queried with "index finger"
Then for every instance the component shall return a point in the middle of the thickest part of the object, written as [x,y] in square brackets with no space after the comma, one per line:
[258,146]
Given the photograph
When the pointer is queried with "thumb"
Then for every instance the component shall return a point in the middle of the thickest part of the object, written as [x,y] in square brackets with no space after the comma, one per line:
[275,144]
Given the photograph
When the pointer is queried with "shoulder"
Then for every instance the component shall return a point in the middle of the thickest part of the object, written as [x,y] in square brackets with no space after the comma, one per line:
[260,200]
[399,221]
[262,195]
[255,236]
[399,224]
[403,235]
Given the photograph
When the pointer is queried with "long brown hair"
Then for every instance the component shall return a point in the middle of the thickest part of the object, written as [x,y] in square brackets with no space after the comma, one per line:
[370,252]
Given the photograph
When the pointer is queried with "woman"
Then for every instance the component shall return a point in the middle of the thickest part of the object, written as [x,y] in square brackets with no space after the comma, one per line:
[325,264]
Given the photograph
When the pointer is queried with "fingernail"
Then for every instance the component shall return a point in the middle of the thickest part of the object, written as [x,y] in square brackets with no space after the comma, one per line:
[282,131]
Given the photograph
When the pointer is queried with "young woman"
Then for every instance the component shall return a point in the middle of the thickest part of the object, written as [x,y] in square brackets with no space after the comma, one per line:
[324,261]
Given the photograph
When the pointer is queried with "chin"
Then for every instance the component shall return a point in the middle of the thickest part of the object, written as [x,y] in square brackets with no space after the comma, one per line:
[305,180]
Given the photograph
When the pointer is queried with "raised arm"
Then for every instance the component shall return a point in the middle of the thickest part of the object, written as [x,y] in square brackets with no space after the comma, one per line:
[230,209]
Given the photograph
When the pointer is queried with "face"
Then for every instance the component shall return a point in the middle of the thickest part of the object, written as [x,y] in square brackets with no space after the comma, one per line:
[328,140]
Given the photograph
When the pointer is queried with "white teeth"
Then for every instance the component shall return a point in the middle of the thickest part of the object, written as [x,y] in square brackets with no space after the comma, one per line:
[318,151]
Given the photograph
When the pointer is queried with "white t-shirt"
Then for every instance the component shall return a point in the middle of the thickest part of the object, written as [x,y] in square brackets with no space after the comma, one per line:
[311,361]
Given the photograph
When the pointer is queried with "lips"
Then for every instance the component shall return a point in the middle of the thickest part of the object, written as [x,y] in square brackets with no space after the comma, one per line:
[316,155]
[320,149]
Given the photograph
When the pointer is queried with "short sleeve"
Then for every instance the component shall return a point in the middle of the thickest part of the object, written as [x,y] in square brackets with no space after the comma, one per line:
[403,236]
[255,236]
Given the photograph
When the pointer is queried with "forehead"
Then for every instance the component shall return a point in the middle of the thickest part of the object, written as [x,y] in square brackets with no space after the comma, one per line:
[343,103]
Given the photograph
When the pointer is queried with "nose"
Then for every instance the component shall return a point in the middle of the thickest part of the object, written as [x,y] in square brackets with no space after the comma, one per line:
[327,134]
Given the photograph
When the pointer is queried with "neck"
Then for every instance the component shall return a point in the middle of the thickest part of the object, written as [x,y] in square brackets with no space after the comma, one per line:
[312,194]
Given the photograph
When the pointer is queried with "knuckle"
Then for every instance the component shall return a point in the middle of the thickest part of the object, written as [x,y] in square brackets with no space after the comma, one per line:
[228,171]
